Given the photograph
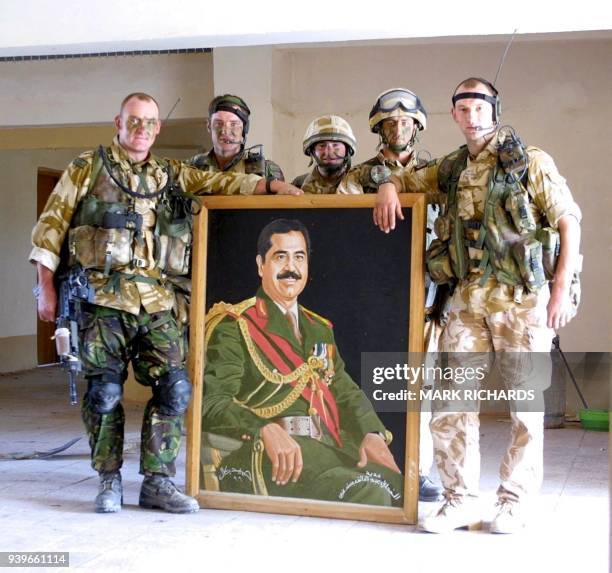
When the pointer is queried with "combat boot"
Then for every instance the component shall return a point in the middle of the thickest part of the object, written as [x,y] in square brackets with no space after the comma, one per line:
[456,512]
[110,493]
[509,519]
[159,492]
[429,491]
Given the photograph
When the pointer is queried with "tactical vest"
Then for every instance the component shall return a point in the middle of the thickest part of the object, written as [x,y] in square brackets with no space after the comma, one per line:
[509,244]
[106,229]
[254,163]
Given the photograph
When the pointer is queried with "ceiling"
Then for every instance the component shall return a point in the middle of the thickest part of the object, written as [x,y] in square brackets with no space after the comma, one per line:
[64,27]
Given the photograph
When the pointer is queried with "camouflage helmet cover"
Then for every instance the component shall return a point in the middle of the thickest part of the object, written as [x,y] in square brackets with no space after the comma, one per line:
[397,102]
[329,128]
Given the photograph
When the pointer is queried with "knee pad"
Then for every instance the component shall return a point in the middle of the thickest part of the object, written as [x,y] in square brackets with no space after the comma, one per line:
[172,393]
[104,393]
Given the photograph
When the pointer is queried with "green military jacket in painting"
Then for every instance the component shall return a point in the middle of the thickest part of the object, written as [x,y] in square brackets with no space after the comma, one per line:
[238,400]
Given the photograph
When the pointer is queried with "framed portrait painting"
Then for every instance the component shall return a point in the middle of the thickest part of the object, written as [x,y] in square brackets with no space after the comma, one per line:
[288,293]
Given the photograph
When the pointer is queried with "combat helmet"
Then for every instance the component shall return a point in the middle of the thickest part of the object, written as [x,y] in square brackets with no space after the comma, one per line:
[329,128]
[397,102]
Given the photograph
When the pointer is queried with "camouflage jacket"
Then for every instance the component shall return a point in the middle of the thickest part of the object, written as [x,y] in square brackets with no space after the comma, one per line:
[549,199]
[358,180]
[243,162]
[116,291]
[314,182]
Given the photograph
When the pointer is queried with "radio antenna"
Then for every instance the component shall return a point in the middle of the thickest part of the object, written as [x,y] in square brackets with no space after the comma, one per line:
[179,99]
[503,59]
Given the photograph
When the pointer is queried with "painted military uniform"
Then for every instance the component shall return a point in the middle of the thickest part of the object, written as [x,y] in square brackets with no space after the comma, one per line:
[358,180]
[494,309]
[243,162]
[315,183]
[258,372]
[127,262]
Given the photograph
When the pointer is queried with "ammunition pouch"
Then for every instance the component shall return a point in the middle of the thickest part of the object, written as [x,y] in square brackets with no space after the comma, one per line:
[100,248]
[517,204]
[528,256]
[439,263]
[549,238]
[173,233]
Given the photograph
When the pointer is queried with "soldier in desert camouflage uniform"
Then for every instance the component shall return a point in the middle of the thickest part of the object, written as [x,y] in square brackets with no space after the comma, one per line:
[495,240]
[124,215]
[228,124]
[330,143]
[397,117]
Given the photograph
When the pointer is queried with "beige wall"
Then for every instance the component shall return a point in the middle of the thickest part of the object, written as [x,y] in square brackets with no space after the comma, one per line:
[556,91]
[89,90]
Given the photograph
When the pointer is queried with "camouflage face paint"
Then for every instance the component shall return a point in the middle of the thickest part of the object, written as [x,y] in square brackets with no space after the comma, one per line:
[397,133]
[232,129]
[134,123]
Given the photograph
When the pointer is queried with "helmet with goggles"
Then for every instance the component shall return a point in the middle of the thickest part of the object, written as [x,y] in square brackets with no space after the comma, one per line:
[397,102]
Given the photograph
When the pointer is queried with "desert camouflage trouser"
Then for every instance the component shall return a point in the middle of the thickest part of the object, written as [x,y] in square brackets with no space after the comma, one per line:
[483,320]
[109,340]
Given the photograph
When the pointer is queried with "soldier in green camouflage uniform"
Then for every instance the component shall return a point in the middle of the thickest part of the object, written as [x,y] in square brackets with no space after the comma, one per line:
[122,219]
[330,143]
[492,243]
[228,124]
[397,117]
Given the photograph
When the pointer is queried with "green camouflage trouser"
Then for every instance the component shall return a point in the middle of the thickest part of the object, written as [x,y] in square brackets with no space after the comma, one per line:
[109,340]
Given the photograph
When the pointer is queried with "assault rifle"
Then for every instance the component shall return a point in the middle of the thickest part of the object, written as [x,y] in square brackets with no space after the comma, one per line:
[73,289]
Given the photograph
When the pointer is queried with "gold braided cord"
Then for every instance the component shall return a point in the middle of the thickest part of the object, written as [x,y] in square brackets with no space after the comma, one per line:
[220,310]
[302,376]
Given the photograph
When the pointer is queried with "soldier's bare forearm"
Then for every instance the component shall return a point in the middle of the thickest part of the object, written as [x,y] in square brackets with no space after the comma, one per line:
[569,232]
[47,296]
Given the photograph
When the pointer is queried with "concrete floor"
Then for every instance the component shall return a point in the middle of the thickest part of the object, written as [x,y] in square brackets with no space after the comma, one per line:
[46,505]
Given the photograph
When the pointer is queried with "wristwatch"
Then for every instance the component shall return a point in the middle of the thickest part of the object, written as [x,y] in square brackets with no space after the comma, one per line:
[269,186]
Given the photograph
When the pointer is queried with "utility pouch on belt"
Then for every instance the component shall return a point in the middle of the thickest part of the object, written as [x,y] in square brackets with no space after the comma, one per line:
[96,247]
[442,227]
[438,262]
[550,250]
[528,256]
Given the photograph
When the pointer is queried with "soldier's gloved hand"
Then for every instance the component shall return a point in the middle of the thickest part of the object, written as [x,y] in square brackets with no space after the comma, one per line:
[374,449]
[387,207]
[284,453]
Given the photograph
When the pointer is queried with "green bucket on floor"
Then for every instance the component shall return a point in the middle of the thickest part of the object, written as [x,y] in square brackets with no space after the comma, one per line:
[591,419]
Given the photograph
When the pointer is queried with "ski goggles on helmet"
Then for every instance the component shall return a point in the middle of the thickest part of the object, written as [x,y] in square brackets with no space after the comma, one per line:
[397,98]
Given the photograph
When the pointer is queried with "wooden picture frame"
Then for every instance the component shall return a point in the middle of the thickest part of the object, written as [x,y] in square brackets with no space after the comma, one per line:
[321,212]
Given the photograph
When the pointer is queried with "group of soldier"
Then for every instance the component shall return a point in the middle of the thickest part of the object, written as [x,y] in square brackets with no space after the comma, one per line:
[123,214]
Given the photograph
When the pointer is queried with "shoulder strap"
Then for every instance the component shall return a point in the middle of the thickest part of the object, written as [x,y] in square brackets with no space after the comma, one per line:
[222,309]
[450,170]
